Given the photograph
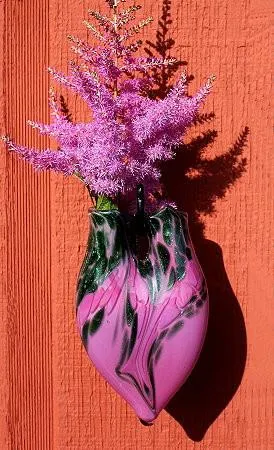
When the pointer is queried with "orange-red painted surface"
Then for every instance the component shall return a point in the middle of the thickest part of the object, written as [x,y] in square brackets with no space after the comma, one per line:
[50,395]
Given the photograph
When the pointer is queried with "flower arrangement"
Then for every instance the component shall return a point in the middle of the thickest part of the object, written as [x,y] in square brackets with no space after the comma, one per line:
[129,133]
[142,301]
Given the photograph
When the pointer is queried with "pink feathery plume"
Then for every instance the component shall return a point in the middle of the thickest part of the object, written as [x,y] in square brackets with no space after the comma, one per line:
[128,133]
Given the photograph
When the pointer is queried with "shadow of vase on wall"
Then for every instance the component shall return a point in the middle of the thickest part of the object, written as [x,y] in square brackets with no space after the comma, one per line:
[220,368]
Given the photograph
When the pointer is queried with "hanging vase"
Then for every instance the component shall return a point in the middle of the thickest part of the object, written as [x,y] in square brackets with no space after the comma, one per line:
[142,318]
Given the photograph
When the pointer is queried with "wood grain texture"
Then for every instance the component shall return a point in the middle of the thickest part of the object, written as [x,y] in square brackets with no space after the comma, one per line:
[51,397]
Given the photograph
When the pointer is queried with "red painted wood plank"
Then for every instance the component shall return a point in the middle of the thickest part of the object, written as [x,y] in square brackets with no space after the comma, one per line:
[28,284]
[51,396]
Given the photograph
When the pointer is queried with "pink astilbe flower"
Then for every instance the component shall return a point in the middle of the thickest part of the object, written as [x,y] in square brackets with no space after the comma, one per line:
[168,120]
[129,133]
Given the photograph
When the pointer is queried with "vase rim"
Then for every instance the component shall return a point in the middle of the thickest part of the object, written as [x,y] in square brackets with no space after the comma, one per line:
[93,209]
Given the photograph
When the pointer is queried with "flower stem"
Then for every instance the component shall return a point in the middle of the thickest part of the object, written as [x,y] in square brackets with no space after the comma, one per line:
[115,10]
[91,194]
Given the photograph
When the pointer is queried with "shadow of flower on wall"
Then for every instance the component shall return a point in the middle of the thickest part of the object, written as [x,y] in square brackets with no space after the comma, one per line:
[220,368]
[162,47]
[195,182]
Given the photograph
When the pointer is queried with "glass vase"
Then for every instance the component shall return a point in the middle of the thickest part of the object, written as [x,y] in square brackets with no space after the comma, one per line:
[142,317]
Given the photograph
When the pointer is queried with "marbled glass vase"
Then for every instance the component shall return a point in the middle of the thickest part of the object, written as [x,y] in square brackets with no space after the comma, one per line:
[142,320]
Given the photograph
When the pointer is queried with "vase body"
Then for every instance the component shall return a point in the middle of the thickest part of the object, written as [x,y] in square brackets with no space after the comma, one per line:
[142,320]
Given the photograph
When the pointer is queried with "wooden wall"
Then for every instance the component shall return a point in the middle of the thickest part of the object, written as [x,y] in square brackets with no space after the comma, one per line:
[51,397]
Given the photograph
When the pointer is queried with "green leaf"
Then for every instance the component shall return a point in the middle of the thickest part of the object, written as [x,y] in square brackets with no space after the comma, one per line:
[96,321]
[129,313]
[133,335]
[164,256]
[145,267]
[105,203]
[172,278]
[85,333]
[177,327]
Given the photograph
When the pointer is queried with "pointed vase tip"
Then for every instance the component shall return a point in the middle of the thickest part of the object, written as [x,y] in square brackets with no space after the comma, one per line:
[146,424]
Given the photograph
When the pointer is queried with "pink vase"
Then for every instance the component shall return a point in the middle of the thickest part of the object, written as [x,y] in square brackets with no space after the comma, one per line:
[142,320]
